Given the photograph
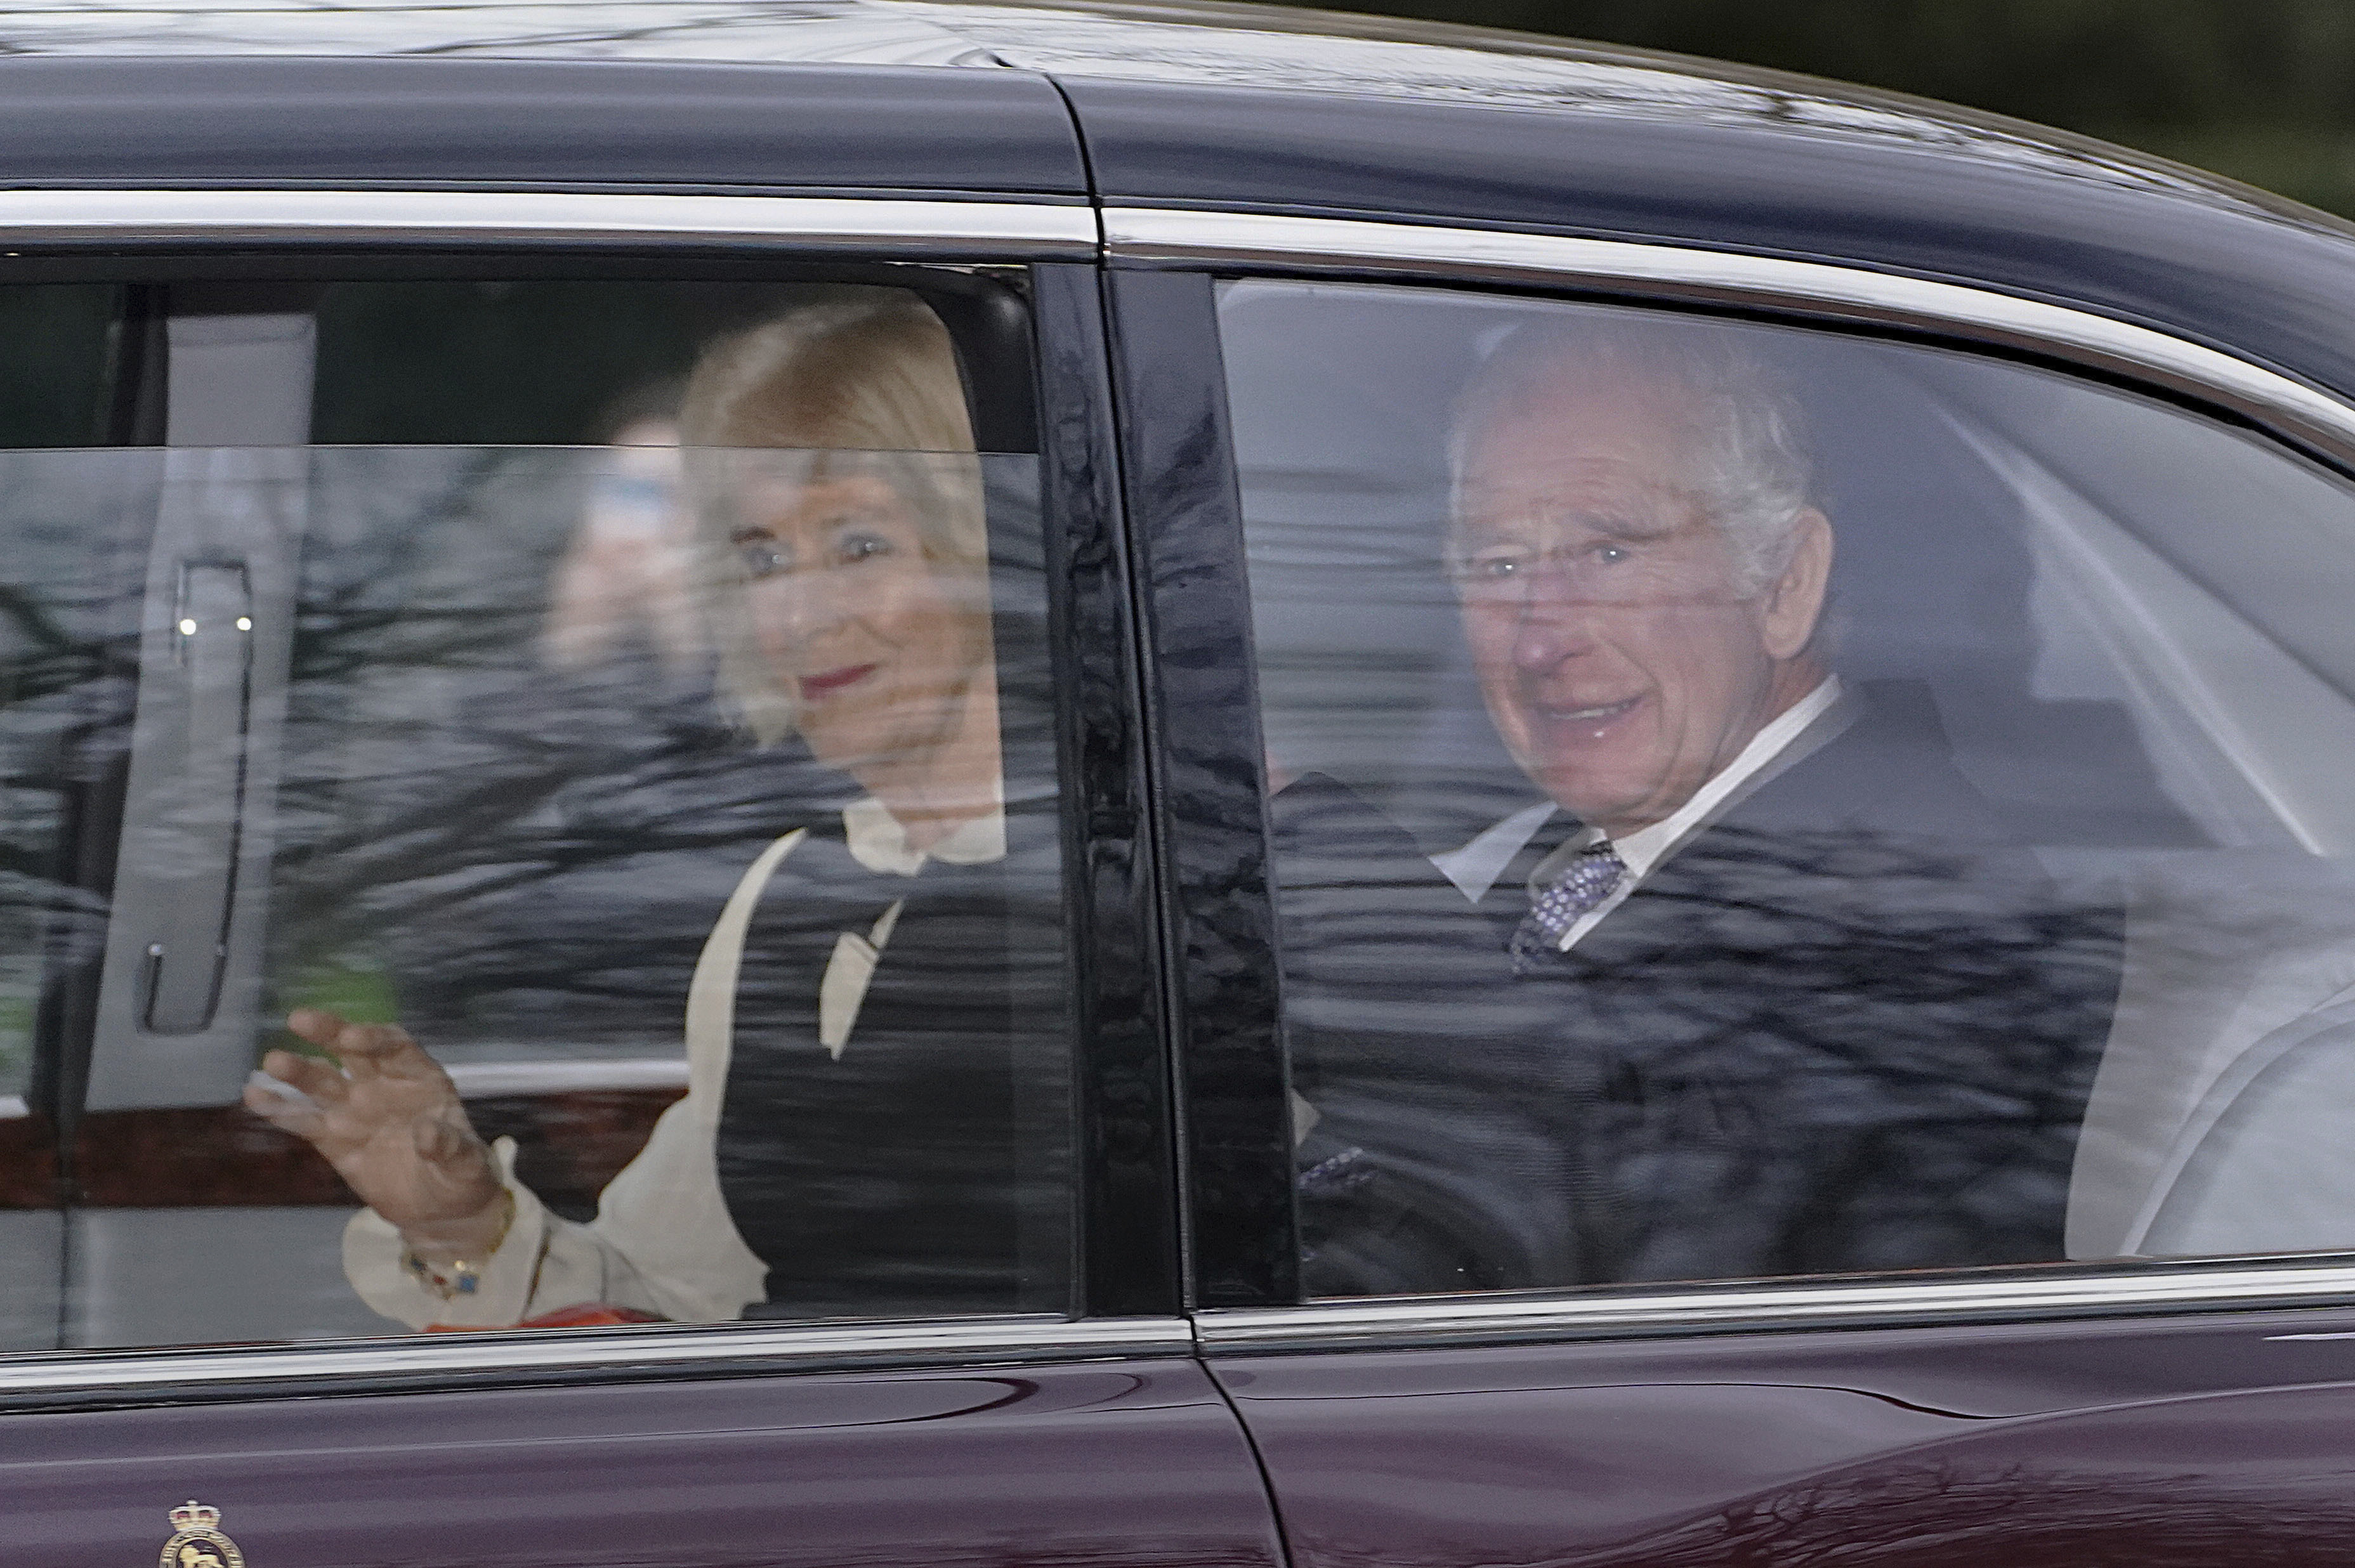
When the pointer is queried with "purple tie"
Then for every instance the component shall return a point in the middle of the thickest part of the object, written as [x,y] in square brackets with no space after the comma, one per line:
[1589,878]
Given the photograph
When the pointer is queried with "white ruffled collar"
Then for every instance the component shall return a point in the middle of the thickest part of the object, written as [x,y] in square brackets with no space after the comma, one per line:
[879,843]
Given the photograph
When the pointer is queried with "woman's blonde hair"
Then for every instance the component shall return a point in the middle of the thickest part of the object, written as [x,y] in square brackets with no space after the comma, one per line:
[873,372]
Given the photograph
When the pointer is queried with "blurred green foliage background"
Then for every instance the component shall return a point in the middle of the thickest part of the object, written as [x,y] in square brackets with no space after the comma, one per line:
[2263,90]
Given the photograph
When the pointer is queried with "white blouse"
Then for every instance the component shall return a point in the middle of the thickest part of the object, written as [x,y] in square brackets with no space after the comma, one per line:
[662,1241]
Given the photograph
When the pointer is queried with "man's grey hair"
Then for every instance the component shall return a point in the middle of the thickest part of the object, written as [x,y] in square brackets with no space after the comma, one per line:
[1748,459]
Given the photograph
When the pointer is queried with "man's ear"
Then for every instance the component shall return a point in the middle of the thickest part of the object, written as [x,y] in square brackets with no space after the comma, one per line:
[1796,600]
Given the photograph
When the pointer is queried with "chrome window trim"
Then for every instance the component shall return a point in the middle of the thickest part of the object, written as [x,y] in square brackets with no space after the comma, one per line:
[1754,1306]
[70,1378]
[2292,407]
[1013,228]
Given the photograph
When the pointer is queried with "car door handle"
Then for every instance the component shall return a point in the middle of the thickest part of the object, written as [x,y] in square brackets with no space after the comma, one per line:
[187,945]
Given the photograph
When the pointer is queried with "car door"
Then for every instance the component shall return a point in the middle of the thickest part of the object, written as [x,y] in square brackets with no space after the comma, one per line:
[388,571]
[1793,1219]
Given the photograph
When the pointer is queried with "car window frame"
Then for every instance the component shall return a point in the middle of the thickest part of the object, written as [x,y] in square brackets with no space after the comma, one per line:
[1127,1276]
[1164,264]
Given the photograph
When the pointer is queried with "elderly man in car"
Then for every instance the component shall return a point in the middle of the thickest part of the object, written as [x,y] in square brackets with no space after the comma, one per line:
[1764,986]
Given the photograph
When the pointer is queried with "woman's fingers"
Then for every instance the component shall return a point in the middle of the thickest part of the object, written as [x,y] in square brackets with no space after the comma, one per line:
[386,1116]
[360,1048]
[400,1056]
[364,1051]
[316,1025]
[287,1116]
[382,1051]
[308,1074]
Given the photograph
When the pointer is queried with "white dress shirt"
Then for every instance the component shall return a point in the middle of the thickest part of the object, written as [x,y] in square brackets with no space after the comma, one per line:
[1475,867]
[662,1241]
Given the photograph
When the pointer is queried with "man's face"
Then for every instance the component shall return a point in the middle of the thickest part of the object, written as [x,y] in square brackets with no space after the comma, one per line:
[1618,655]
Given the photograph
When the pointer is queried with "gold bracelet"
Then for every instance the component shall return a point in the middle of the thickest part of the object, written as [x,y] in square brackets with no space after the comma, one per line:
[460,1277]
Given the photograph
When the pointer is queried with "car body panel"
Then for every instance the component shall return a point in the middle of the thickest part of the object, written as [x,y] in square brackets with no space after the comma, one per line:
[2165,1441]
[1119,1462]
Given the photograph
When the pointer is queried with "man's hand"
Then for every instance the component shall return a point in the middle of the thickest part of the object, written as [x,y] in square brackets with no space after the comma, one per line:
[392,1125]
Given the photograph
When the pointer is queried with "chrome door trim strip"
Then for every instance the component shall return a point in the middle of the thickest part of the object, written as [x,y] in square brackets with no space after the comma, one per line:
[1014,228]
[2294,408]
[2011,1295]
[53,1380]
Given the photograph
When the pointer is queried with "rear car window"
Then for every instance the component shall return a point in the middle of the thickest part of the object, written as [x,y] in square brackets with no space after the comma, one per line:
[634,692]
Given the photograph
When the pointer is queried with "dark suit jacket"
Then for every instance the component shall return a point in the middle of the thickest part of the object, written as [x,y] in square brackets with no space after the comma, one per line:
[1851,1025]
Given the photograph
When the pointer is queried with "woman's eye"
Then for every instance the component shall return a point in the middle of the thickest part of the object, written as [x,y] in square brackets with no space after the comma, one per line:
[1612,554]
[759,555]
[855,547]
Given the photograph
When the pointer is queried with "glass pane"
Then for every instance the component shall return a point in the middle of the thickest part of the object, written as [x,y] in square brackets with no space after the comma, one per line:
[73,526]
[691,809]
[523,362]
[1755,802]
[56,349]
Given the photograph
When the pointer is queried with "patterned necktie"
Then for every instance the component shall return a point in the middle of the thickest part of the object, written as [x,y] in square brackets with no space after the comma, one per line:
[1589,878]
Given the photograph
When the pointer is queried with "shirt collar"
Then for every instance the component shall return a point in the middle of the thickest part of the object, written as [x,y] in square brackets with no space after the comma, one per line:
[1475,867]
[879,843]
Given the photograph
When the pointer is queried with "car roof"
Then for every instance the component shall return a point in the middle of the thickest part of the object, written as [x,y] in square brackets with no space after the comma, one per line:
[1202,43]
[1194,103]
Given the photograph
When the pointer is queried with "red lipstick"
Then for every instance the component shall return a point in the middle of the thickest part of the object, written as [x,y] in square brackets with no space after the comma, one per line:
[827,682]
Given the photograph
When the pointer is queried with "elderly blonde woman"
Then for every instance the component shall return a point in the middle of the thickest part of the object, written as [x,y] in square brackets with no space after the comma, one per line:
[856,1025]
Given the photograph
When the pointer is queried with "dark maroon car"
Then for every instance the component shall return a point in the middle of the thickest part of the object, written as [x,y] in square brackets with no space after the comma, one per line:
[1155,785]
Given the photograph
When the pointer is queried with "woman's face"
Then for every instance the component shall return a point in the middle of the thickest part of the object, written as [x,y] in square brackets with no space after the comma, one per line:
[879,643]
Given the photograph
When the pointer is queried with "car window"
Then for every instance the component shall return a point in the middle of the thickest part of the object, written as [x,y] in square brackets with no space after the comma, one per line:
[1749,802]
[612,721]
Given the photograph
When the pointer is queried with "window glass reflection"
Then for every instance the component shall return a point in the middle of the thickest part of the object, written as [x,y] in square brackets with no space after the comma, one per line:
[69,626]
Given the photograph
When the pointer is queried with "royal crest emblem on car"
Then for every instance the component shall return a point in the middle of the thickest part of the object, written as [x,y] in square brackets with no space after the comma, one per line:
[196,1540]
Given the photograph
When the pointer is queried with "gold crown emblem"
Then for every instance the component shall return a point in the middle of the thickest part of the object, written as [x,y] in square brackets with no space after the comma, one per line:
[196,1540]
